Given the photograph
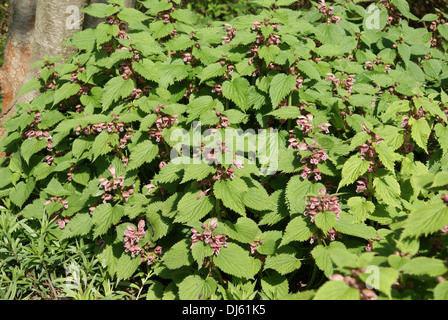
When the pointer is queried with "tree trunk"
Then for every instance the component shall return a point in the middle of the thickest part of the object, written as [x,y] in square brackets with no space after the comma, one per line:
[36,29]
[19,47]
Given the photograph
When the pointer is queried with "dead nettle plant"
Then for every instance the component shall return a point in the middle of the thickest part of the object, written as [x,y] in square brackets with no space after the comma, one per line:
[358,101]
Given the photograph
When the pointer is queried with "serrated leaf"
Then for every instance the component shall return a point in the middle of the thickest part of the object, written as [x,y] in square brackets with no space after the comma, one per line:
[387,189]
[178,255]
[211,71]
[194,287]
[360,209]
[21,192]
[127,265]
[31,147]
[297,191]
[325,220]
[197,172]
[425,266]
[104,216]
[66,91]
[426,220]
[231,192]
[441,291]
[345,225]
[298,229]
[237,90]
[190,208]
[353,168]
[282,263]
[286,112]
[420,132]
[281,86]
[143,152]
[79,225]
[115,89]
[336,290]
[236,261]
[441,133]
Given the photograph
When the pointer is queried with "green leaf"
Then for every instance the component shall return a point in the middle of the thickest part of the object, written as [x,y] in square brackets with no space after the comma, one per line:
[353,168]
[425,266]
[104,216]
[420,132]
[245,230]
[212,71]
[286,112]
[325,220]
[79,225]
[441,291]
[102,142]
[282,263]
[360,209]
[231,192]
[132,15]
[66,91]
[427,219]
[238,91]
[236,261]
[33,84]
[30,147]
[281,86]
[387,189]
[336,290]
[275,286]
[169,173]
[178,255]
[100,10]
[115,89]
[21,192]
[268,53]
[126,266]
[143,152]
[442,136]
[104,32]
[309,69]
[195,288]
[298,229]
[387,156]
[192,209]
[197,172]
[345,225]
[297,191]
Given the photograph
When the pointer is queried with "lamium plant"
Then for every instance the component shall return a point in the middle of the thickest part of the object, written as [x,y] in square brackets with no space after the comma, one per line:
[354,204]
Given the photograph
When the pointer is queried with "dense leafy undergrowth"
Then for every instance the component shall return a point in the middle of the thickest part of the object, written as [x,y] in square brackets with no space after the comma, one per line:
[354,204]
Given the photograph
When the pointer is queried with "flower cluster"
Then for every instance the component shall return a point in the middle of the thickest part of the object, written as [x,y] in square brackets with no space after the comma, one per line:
[354,281]
[111,127]
[215,241]
[254,245]
[331,235]
[368,151]
[323,202]
[231,33]
[316,156]
[223,120]
[163,121]
[327,11]
[132,239]
[114,185]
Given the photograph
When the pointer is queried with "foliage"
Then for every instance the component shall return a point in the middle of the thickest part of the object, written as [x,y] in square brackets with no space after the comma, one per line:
[357,208]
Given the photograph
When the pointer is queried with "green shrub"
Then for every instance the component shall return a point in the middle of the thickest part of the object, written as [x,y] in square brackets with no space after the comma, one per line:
[339,191]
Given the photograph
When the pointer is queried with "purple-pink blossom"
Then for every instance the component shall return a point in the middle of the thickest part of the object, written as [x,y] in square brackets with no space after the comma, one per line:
[323,202]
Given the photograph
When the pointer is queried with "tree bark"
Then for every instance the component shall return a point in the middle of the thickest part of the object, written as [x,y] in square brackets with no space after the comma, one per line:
[19,47]
[36,29]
